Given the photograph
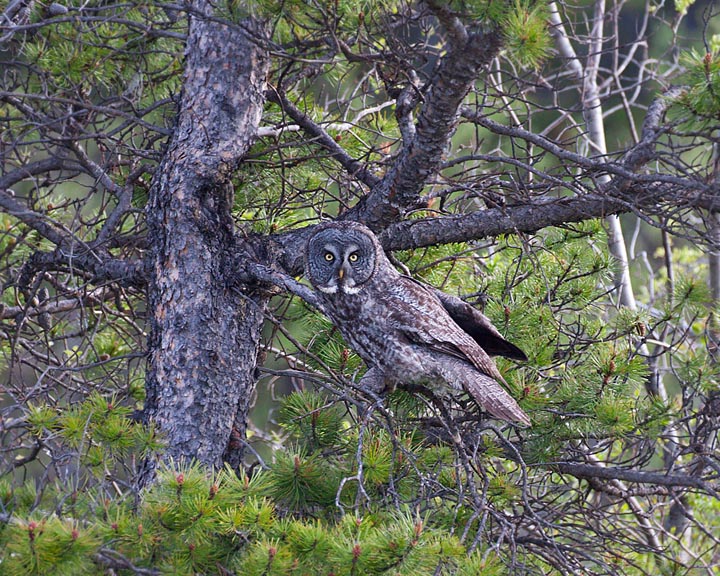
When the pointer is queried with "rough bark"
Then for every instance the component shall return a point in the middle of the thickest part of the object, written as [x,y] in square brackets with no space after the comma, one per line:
[204,334]
[425,145]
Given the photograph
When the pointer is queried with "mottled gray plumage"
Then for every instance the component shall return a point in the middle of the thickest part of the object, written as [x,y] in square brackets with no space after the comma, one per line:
[405,331]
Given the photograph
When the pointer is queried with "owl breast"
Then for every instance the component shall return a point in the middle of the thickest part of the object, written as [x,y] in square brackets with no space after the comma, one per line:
[367,327]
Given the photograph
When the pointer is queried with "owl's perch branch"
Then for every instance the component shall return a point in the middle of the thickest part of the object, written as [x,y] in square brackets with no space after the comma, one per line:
[255,272]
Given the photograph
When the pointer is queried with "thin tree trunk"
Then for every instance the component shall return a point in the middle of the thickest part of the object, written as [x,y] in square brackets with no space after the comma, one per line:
[597,145]
[204,335]
[714,263]
[594,122]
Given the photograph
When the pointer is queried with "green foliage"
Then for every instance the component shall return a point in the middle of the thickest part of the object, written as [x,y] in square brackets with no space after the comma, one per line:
[308,416]
[98,429]
[701,98]
[547,300]
[301,481]
[299,20]
[49,545]
[377,459]
[190,523]
[440,265]
[324,342]
[682,5]
[527,39]
[102,56]
[492,10]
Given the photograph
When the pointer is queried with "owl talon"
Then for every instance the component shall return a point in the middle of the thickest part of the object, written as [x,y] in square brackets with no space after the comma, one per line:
[374,381]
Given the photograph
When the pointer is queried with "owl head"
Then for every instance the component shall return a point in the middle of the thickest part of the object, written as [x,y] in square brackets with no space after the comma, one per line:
[341,257]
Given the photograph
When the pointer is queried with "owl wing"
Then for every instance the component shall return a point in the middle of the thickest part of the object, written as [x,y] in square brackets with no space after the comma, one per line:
[420,315]
[475,324]
[479,327]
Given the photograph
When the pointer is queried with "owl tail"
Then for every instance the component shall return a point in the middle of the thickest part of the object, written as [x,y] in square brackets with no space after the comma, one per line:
[492,397]
[487,392]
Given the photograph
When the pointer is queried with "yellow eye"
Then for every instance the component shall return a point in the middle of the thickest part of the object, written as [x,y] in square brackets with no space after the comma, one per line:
[329,256]
[353,257]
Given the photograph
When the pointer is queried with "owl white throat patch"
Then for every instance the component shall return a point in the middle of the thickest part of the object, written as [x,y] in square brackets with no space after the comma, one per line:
[345,288]
[332,289]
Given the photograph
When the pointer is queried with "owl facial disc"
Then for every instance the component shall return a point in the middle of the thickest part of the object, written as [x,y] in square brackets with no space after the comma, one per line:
[342,273]
[340,260]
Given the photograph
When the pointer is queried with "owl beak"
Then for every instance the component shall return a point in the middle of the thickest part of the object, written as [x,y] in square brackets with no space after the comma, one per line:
[343,271]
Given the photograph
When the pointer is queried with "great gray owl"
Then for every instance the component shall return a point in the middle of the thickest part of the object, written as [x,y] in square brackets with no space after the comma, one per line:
[405,331]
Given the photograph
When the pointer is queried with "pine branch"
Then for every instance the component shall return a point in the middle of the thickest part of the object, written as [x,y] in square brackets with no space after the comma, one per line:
[116,561]
[53,231]
[97,265]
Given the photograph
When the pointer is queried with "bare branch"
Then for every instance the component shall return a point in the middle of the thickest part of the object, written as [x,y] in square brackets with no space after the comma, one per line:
[354,167]
[41,223]
[124,196]
[421,157]
[29,170]
[495,221]
[64,305]
[638,476]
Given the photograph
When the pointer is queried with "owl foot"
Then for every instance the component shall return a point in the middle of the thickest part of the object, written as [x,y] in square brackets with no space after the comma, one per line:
[375,381]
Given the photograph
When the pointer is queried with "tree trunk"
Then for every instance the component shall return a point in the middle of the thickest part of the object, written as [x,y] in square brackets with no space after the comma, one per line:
[204,334]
